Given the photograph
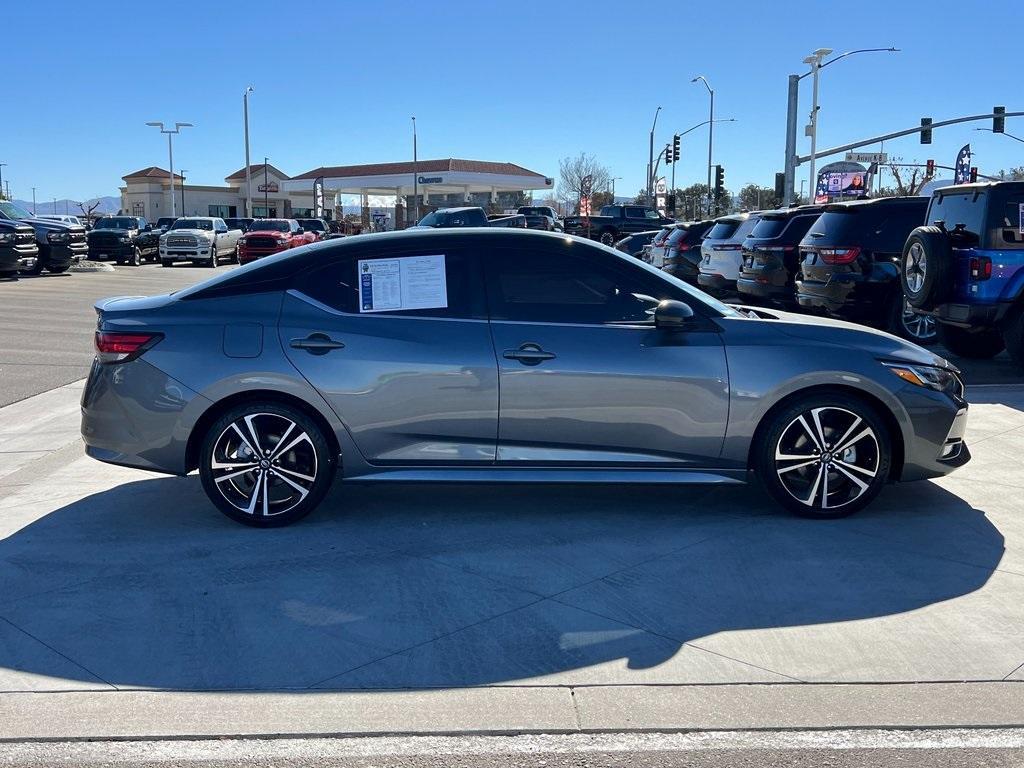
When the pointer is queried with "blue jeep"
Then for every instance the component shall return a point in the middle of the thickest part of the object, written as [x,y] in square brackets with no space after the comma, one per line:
[965,268]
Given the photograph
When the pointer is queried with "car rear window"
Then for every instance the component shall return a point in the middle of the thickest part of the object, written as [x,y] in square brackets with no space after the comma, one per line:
[723,230]
[1008,224]
[952,209]
[769,227]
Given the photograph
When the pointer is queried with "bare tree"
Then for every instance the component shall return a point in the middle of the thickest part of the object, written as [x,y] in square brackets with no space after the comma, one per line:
[572,171]
[91,207]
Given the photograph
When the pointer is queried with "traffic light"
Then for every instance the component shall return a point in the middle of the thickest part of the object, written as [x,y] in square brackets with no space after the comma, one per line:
[926,131]
[670,203]
[974,174]
[668,154]
[999,121]
[780,186]
[675,148]
[930,167]
[719,180]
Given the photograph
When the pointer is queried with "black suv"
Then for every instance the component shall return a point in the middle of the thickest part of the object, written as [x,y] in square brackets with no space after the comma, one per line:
[126,239]
[682,250]
[770,253]
[18,249]
[849,265]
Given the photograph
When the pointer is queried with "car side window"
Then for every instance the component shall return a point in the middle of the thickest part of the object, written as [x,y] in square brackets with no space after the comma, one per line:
[634,213]
[561,286]
[336,284]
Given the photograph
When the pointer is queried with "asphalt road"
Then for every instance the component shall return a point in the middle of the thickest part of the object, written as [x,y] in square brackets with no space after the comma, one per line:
[47,322]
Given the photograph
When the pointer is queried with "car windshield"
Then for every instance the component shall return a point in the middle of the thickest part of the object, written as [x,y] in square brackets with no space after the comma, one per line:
[12,211]
[433,219]
[116,222]
[193,224]
[529,211]
[271,225]
[314,224]
[652,215]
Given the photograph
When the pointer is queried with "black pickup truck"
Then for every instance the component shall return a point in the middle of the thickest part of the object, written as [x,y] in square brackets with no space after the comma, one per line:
[18,249]
[60,245]
[469,216]
[126,239]
[615,222]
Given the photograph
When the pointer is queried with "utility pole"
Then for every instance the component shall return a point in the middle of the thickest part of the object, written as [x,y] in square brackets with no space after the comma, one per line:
[248,169]
[711,132]
[266,190]
[2,177]
[33,201]
[183,172]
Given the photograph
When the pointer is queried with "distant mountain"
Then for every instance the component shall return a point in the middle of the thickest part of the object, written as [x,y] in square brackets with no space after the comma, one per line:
[106,205]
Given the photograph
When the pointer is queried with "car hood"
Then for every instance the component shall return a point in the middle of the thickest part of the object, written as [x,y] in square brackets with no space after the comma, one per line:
[52,226]
[196,232]
[824,330]
[266,232]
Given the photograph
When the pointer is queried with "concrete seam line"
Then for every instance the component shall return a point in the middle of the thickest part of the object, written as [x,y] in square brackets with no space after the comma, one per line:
[54,650]
[1007,678]
[500,732]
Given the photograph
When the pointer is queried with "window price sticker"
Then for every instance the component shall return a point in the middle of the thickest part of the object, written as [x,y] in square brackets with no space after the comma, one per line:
[410,282]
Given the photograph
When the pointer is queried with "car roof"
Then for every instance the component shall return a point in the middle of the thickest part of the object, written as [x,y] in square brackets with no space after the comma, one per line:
[786,213]
[883,202]
[981,186]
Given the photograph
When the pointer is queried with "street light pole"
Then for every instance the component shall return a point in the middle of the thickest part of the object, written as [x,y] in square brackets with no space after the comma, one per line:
[650,161]
[248,169]
[266,190]
[613,188]
[415,178]
[812,128]
[2,177]
[33,201]
[170,153]
[711,129]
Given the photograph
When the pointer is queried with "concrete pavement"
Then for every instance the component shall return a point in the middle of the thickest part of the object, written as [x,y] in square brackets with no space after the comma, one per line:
[130,608]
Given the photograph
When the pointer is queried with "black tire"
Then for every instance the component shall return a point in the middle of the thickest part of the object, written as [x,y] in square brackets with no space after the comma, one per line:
[235,489]
[907,324]
[803,483]
[974,345]
[58,270]
[1013,334]
[9,275]
[166,263]
[926,267]
[136,258]
[608,237]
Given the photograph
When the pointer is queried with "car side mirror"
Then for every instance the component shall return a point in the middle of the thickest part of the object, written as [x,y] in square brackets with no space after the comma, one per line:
[672,315]
[300,231]
[149,228]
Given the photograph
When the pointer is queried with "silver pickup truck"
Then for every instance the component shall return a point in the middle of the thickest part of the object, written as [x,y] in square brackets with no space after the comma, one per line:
[199,239]
[468,216]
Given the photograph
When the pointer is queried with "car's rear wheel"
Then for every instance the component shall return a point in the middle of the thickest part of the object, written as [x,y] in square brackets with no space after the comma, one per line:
[905,322]
[136,258]
[824,456]
[266,464]
[166,263]
[974,345]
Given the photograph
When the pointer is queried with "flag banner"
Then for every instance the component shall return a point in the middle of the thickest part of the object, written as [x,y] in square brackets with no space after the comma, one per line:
[962,167]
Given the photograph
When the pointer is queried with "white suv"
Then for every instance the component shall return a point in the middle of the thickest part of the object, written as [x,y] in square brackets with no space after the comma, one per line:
[199,239]
[720,252]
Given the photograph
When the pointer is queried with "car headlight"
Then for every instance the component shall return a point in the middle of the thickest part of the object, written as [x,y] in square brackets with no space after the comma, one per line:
[124,238]
[58,237]
[930,376]
[6,237]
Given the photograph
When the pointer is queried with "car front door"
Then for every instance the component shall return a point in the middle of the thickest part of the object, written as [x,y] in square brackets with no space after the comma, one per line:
[585,377]
[397,342]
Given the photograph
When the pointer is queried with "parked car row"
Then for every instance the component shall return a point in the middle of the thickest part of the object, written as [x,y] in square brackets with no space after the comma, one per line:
[840,260]
[52,245]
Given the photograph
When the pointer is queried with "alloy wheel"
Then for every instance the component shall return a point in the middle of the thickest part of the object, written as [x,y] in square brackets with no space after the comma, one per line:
[920,328]
[827,457]
[915,268]
[264,464]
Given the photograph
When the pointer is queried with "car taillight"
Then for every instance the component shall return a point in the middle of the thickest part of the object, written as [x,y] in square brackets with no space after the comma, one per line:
[981,268]
[682,247]
[122,347]
[839,255]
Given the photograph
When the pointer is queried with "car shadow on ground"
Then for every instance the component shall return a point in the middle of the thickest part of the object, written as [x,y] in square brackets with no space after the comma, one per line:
[146,584]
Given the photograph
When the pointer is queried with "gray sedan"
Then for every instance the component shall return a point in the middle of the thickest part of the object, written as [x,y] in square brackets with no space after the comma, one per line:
[485,355]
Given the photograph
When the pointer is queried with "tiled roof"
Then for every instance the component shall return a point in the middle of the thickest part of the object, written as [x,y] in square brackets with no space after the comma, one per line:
[151,173]
[421,167]
[257,170]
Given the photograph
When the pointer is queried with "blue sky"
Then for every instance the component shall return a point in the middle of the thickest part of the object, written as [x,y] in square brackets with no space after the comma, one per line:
[528,83]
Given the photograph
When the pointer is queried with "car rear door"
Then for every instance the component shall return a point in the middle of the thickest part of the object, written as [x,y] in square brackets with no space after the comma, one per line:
[585,377]
[397,342]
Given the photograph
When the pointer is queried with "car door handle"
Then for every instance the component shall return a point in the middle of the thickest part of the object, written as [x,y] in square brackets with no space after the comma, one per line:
[528,354]
[316,344]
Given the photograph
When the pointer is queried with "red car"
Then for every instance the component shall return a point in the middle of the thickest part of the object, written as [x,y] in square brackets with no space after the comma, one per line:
[269,236]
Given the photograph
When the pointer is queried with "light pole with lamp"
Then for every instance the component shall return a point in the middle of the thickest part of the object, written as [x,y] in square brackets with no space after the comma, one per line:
[650,161]
[815,60]
[1009,135]
[33,201]
[2,166]
[415,178]
[711,130]
[170,152]
[614,179]
[248,169]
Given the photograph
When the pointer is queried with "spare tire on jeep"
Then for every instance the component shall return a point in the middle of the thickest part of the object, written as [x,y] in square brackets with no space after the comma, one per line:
[926,267]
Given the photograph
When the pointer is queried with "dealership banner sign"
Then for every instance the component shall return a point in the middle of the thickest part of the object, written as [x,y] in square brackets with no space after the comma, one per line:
[318,197]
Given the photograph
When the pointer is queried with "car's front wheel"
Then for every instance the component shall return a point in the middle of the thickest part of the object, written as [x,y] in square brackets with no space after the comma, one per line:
[607,238]
[824,456]
[266,464]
